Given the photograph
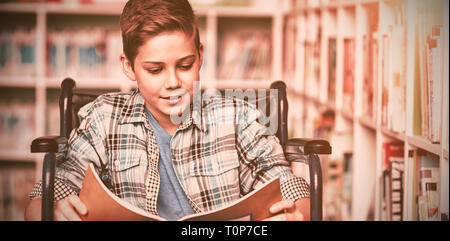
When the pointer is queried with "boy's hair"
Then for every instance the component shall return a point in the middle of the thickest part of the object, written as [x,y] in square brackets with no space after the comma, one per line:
[143,19]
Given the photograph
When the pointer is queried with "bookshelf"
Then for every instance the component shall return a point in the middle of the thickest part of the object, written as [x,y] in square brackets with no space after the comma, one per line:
[48,28]
[372,54]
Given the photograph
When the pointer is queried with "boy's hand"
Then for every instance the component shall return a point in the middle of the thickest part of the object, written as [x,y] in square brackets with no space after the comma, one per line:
[69,209]
[288,210]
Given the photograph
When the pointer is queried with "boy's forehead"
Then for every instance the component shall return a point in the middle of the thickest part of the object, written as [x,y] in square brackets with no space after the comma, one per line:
[168,43]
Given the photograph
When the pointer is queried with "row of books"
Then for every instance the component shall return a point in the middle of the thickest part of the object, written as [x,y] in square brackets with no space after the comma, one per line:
[393,181]
[393,71]
[425,184]
[348,91]
[244,55]
[337,168]
[17,125]
[84,52]
[338,176]
[17,52]
[429,77]
[312,67]
[370,66]
[16,183]
[90,52]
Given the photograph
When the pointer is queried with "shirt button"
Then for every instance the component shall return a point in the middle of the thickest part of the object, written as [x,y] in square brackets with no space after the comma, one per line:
[154,156]
[116,163]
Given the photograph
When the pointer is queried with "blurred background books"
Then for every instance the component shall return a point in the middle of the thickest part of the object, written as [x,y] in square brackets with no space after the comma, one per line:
[367,75]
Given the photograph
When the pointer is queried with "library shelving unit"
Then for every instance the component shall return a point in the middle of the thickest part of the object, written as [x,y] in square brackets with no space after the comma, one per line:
[374,65]
[37,37]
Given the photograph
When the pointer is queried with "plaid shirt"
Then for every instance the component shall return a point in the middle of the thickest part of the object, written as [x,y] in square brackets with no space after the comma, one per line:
[219,153]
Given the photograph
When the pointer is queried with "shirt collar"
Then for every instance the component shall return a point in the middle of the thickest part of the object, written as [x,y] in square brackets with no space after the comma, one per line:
[133,111]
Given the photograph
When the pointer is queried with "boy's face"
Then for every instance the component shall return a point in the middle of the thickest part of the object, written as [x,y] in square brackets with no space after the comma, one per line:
[165,69]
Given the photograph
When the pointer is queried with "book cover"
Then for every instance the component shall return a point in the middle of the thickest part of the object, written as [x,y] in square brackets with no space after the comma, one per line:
[428,194]
[393,170]
[349,75]
[332,54]
[435,81]
[104,205]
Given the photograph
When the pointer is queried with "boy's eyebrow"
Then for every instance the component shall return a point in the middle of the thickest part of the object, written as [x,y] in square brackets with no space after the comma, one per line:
[180,60]
[187,57]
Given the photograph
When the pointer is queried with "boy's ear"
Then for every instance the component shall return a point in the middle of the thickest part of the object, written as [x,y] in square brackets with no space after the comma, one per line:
[201,54]
[126,67]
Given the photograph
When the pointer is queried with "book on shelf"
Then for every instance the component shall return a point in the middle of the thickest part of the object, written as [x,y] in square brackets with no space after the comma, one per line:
[17,52]
[393,70]
[429,54]
[289,47]
[393,180]
[84,52]
[349,74]
[370,65]
[16,182]
[17,125]
[244,55]
[427,182]
[332,55]
[332,188]
[434,64]
[312,49]
[346,211]
[102,204]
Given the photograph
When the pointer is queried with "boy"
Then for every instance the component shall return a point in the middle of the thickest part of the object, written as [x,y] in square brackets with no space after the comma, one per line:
[216,155]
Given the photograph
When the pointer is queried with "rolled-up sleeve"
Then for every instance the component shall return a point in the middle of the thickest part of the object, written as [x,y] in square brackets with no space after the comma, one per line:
[262,158]
[85,146]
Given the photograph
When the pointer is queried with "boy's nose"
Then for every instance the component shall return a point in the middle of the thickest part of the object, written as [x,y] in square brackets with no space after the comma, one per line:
[173,81]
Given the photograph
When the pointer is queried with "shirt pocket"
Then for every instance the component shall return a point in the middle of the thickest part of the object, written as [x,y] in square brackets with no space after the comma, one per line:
[127,160]
[128,176]
[214,165]
[214,181]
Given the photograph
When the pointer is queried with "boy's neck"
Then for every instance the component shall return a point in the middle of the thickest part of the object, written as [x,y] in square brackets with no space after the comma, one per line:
[169,128]
[166,123]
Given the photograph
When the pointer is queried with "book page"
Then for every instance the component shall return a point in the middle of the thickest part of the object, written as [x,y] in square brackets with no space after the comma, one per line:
[104,205]
[252,207]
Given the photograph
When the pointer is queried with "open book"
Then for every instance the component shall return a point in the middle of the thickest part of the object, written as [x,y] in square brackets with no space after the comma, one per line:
[102,204]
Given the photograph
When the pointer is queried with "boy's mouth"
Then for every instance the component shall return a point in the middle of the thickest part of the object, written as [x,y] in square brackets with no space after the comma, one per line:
[174,98]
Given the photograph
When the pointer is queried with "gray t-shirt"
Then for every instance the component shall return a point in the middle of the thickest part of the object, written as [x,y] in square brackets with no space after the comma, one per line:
[172,201]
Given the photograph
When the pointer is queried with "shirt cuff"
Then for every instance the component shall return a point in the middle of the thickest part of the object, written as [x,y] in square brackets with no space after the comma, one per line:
[294,189]
[61,190]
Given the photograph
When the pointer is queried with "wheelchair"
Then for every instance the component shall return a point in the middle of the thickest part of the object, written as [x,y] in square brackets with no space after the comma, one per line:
[70,102]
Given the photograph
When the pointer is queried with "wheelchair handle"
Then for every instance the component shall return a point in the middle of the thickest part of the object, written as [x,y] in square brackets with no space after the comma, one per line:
[65,107]
[48,180]
[280,86]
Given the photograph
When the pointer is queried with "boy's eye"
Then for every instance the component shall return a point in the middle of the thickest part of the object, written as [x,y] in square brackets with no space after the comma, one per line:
[155,70]
[185,66]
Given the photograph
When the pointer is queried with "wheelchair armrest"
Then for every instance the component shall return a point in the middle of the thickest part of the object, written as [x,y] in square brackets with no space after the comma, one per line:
[306,146]
[46,144]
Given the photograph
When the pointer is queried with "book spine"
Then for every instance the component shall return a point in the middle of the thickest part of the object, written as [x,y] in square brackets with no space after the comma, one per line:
[428,199]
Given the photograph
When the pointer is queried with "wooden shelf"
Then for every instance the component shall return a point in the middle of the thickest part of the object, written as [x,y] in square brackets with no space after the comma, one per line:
[89,83]
[113,8]
[347,115]
[18,81]
[425,144]
[17,156]
[367,122]
[396,135]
